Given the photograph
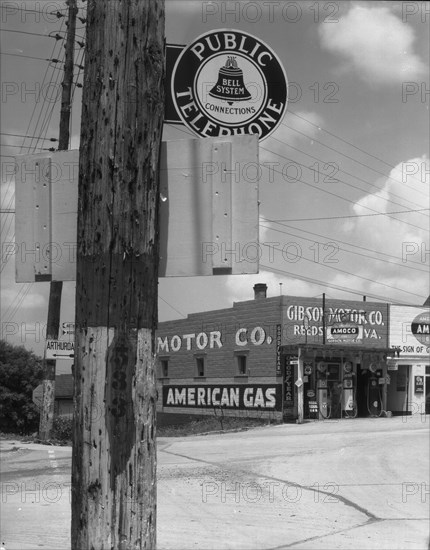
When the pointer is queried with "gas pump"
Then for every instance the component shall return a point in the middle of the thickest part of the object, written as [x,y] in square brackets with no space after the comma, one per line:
[374,397]
[324,405]
[349,389]
[311,407]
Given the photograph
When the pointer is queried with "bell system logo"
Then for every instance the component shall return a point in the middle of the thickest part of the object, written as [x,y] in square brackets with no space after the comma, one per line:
[229,83]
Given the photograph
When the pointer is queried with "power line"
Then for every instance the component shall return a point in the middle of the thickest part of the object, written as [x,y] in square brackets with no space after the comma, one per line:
[25,56]
[355,275]
[330,192]
[52,60]
[17,146]
[26,32]
[339,241]
[47,109]
[170,305]
[84,7]
[330,285]
[347,156]
[343,140]
[321,174]
[349,174]
[352,216]
[8,220]
[22,135]
[404,265]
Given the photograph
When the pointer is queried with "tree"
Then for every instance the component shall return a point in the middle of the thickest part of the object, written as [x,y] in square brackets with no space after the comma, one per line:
[20,373]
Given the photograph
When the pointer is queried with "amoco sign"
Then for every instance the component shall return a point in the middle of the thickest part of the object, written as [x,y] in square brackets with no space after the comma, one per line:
[228,82]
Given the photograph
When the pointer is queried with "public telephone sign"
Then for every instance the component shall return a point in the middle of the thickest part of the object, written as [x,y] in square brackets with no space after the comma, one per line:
[228,82]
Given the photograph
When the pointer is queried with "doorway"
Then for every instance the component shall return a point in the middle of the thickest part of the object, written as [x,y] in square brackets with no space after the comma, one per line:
[362,385]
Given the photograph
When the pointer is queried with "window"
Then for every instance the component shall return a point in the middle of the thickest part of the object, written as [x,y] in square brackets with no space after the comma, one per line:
[200,363]
[164,368]
[241,358]
[242,364]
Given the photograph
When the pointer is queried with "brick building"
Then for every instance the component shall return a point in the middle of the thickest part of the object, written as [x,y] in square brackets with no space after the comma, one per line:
[282,357]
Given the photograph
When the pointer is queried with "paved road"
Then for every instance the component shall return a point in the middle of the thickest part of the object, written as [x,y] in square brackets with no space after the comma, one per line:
[350,484]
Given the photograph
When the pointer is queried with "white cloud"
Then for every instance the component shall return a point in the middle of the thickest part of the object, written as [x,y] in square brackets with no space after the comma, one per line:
[409,182]
[402,239]
[375,43]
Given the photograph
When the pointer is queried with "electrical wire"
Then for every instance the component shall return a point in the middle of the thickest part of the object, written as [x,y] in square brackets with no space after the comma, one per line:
[325,265]
[41,125]
[330,285]
[300,180]
[347,156]
[26,32]
[343,140]
[339,241]
[348,174]
[351,216]
[11,145]
[24,56]
[403,265]
[170,305]
[34,111]
[22,135]
[40,12]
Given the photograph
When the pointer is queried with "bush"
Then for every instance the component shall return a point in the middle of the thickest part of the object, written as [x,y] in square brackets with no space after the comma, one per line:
[20,373]
[63,428]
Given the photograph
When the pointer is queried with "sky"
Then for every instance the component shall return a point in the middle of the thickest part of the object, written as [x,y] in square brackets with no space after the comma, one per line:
[345,212]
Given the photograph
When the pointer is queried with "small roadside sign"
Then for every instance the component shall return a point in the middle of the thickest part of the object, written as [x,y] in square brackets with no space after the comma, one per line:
[308,369]
[57,349]
[37,396]
[68,328]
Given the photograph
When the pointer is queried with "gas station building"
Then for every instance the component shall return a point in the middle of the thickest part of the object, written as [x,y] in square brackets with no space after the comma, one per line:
[290,358]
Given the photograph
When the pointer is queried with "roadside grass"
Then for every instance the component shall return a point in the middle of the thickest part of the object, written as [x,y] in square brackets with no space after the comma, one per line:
[170,425]
[209,424]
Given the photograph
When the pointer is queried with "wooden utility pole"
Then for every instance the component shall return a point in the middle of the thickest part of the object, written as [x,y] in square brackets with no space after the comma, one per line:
[56,287]
[114,459]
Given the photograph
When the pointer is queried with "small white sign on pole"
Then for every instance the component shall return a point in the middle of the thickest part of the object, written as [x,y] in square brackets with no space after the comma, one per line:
[59,349]
[68,328]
